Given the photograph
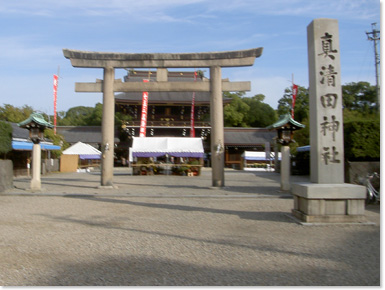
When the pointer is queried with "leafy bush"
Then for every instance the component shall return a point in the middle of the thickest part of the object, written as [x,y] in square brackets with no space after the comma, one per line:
[56,140]
[362,140]
[5,138]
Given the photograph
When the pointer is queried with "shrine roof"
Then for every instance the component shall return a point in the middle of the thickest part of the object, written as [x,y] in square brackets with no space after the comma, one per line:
[85,134]
[37,118]
[286,119]
[165,97]
[247,136]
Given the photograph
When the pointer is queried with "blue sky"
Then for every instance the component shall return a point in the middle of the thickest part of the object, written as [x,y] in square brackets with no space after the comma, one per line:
[34,33]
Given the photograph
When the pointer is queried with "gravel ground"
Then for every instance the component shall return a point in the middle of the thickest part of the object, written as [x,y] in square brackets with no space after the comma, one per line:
[153,231]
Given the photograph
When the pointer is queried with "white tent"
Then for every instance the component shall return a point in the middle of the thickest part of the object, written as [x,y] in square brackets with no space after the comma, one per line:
[173,146]
[85,151]
[254,155]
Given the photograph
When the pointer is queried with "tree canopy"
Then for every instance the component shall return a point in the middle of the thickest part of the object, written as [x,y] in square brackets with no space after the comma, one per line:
[359,96]
[76,116]
[301,108]
[247,111]
[13,114]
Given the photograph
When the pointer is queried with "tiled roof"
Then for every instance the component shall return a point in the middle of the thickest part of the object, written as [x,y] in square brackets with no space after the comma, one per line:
[19,133]
[247,136]
[85,134]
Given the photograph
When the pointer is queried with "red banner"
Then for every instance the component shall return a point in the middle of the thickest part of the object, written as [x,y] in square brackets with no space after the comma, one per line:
[55,85]
[294,92]
[143,118]
[192,130]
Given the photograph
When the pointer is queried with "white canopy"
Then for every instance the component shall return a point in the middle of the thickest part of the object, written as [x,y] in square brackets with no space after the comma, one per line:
[174,146]
[254,155]
[85,151]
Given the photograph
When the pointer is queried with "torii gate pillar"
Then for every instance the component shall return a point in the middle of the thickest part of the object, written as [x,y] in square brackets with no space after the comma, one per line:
[108,120]
[217,132]
[213,60]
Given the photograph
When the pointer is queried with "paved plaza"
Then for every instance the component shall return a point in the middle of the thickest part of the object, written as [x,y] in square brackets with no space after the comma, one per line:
[176,230]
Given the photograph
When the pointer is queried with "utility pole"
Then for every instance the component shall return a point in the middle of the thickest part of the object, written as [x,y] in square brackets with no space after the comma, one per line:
[374,35]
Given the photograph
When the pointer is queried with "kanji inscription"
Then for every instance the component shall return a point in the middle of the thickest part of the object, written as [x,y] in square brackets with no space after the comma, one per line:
[329,100]
[327,46]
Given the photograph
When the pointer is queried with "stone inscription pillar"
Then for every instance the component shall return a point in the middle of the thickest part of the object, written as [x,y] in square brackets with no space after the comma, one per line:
[326,199]
[217,130]
[108,130]
[325,99]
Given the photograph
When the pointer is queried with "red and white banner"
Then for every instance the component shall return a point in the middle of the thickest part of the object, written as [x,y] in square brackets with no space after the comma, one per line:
[55,85]
[192,130]
[294,92]
[143,118]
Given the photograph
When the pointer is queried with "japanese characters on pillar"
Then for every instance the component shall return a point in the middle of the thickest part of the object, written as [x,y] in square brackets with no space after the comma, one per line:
[325,102]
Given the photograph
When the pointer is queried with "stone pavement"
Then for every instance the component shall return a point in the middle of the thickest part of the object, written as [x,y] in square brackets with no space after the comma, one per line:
[172,230]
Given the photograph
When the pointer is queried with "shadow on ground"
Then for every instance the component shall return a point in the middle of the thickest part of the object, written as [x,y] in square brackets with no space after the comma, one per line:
[132,270]
[144,271]
[252,215]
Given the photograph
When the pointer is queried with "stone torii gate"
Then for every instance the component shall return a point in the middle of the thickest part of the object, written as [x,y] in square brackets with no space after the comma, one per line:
[161,61]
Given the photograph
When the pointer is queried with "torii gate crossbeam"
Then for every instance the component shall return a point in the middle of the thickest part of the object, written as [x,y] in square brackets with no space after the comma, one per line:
[213,60]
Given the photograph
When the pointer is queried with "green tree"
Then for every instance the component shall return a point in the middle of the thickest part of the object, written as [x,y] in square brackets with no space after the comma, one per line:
[302,136]
[13,114]
[359,96]
[301,107]
[362,140]
[5,138]
[260,114]
[95,118]
[235,112]
[76,116]
[56,140]
[247,111]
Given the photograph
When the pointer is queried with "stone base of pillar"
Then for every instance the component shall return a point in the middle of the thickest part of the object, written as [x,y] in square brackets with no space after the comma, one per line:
[35,185]
[218,183]
[107,187]
[329,203]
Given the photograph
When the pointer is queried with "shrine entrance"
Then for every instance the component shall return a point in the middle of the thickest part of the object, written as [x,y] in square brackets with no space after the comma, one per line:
[161,61]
